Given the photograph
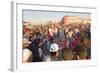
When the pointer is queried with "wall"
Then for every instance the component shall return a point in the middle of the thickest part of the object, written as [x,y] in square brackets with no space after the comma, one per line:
[5,34]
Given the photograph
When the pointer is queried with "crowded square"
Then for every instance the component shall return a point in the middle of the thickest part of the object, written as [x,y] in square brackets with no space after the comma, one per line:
[64,40]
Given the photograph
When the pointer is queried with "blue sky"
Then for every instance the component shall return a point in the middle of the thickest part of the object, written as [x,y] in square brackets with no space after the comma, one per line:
[44,16]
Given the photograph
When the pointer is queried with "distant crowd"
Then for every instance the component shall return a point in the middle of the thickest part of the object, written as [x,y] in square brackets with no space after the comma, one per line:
[56,42]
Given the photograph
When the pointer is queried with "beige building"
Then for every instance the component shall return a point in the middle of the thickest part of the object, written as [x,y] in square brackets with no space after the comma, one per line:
[75,19]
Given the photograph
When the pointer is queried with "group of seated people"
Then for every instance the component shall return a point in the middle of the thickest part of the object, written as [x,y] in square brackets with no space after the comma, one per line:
[57,43]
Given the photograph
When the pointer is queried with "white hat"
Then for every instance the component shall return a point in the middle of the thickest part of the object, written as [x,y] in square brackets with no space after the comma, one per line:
[54,47]
[25,41]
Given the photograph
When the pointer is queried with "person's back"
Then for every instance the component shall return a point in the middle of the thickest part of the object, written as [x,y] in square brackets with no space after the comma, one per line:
[67,54]
[27,55]
[34,48]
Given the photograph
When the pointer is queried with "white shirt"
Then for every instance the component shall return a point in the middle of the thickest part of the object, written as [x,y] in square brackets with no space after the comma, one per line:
[51,31]
[76,30]
[48,58]
[70,34]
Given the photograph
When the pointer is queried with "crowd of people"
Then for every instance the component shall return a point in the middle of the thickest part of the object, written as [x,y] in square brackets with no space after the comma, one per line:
[56,42]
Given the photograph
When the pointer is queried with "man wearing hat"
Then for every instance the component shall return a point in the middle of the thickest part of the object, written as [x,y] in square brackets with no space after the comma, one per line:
[27,54]
[54,48]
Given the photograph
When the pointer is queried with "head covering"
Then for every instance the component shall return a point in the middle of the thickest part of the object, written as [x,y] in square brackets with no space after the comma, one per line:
[25,41]
[54,47]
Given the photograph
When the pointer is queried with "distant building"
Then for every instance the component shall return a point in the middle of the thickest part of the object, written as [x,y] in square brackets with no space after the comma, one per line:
[74,19]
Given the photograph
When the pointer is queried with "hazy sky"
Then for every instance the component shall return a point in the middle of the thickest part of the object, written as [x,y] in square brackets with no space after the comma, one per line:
[43,16]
